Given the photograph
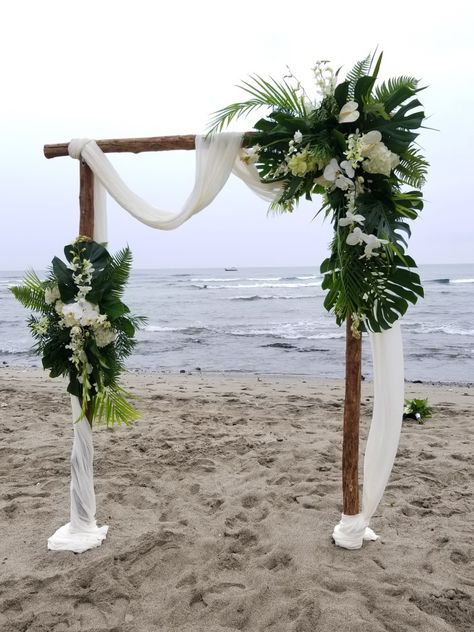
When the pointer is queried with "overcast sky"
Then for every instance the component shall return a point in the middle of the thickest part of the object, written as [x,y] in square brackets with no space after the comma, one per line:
[114,69]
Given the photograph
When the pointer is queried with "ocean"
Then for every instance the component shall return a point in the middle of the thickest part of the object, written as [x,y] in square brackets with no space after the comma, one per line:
[269,321]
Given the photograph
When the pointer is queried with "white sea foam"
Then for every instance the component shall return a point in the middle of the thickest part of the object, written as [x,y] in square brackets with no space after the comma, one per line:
[461,281]
[257,285]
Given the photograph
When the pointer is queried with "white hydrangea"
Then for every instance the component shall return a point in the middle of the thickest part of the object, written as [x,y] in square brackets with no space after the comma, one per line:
[104,336]
[380,160]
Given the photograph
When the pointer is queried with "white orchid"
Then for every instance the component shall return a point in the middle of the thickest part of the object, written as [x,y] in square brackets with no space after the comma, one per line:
[334,172]
[372,242]
[298,137]
[249,155]
[349,112]
[81,312]
[356,238]
[351,218]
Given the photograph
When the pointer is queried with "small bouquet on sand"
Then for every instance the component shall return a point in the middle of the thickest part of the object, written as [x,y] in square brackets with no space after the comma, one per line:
[84,331]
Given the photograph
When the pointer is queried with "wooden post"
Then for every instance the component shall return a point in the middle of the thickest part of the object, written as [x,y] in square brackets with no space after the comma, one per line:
[86,201]
[350,444]
[86,220]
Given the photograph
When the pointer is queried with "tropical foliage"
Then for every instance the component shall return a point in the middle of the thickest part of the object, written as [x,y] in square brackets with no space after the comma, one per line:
[354,145]
[84,331]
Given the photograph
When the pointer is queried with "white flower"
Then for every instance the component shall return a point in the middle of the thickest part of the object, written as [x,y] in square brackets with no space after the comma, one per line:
[325,78]
[349,112]
[380,160]
[348,168]
[321,180]
[368,141]
[298,137]
[356,238]
[104,336]
[372,242]
[51,295]
[334,173]
[249,155]
[81,312]
[351,218]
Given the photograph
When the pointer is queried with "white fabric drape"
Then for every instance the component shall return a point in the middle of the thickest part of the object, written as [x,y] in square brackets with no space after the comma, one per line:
[384,435]
[216,157]
[82,532]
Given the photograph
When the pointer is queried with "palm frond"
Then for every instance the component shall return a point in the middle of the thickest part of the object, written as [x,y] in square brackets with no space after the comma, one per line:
[359,70]
[120,268]
[111,406]
[265,93]
[413,168]
[387,89]
[31,293]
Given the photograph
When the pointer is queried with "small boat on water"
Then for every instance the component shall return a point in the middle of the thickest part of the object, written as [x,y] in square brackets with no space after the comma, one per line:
[230,269]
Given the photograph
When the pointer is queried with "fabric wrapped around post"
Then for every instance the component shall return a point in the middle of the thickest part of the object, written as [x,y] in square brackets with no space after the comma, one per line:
[384,435]
[82,532]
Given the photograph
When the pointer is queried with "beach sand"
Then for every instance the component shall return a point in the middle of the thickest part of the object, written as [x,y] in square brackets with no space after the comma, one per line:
[221,501]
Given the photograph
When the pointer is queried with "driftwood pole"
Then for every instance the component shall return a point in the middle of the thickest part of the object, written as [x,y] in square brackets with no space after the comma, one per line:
[350,446]
[350,441]
[86,200]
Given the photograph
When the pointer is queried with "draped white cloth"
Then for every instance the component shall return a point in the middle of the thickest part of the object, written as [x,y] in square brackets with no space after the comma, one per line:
[384,435]
[82,532]
[216,157]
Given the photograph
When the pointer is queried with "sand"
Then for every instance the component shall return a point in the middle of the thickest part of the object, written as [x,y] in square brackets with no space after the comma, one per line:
[221,502]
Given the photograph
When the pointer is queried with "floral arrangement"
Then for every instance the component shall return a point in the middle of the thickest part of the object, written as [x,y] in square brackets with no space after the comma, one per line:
[418,409]
[84,330]
[354,145]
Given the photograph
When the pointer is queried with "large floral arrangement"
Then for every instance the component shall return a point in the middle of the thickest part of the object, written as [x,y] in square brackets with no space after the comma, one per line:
[354,145]
[84,331]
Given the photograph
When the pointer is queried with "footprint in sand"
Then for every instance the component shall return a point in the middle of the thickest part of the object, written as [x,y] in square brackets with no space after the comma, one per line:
[278,560]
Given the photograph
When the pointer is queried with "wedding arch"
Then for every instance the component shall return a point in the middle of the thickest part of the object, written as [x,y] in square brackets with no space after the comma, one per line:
[355,147]
[221,153]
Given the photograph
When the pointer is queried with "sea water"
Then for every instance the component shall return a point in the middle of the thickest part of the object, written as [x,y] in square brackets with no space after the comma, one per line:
[268,320]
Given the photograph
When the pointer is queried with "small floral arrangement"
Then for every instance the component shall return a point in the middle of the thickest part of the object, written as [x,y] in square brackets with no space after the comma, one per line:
[354,145]
[84,330]
[418,409]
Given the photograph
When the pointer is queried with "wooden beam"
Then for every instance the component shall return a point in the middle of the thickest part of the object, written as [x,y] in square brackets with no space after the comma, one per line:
[350,445]
[132,145]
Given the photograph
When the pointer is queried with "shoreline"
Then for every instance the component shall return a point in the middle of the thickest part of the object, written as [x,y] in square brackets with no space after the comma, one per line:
[176,372]
[221,500]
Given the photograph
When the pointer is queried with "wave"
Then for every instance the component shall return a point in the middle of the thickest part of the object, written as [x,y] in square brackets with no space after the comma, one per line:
[421,328]
[263,297]
[233,279]
[256,285]
[16,352]
[285,333]
[188,331]
[450,281]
